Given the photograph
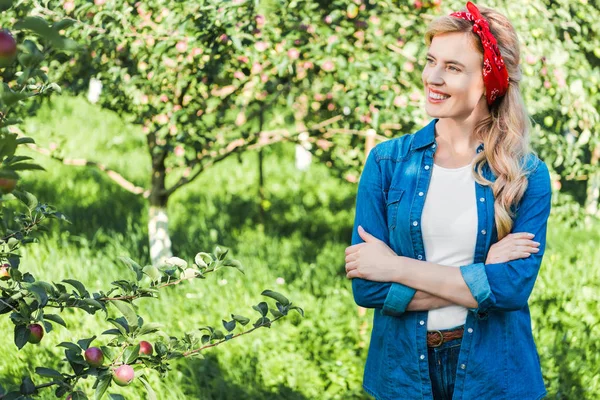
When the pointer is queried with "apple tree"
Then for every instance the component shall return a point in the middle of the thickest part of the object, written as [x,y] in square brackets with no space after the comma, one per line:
[120,356]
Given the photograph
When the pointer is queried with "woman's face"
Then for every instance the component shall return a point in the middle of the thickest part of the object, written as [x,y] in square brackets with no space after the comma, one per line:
[452,77]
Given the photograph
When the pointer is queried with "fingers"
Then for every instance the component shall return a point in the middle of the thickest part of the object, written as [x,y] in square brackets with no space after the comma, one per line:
[352,257]
[354,248]
[526,243]
[353,265]
[521,235]
[367,237]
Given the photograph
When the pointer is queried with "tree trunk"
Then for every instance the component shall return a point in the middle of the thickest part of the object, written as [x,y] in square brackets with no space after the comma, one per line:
[158,219]
[593,188]
[158,234]
[261,188]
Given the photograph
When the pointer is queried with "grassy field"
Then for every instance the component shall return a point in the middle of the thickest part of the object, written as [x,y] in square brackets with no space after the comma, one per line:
[298,251]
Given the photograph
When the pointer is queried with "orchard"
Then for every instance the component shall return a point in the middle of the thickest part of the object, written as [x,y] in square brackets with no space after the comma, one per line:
[133,131]
[28,299]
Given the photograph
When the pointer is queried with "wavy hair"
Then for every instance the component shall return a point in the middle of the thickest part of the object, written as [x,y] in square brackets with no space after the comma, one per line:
[505,133]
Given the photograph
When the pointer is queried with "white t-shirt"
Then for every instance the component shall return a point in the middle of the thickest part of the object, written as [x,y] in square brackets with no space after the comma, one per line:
[449,227]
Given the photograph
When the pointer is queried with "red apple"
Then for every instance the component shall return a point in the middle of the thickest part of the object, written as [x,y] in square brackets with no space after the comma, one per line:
[123,375]
[145,348]
[8,49]
[94,356]
[7,185]
[36,333]
[4,272]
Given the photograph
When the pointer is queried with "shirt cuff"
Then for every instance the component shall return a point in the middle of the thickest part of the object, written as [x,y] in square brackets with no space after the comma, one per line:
[477,281]
[397,299]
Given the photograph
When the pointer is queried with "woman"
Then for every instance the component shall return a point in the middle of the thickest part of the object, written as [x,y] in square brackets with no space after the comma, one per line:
[450,228]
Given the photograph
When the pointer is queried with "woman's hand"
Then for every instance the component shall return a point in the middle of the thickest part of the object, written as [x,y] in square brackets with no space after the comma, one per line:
[372,260]
[512,247]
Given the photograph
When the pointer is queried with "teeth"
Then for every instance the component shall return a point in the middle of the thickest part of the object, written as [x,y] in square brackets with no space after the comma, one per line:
[437,96]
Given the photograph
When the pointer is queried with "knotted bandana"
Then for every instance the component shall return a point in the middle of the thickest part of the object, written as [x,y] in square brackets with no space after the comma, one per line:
[495,75]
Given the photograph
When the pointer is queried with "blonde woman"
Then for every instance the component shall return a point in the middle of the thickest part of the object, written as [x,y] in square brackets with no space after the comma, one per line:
[450,228]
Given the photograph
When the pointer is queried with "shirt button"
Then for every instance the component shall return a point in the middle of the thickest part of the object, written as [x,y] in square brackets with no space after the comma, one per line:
[421,193]
[470,330]
[420,257]
[422,357]
[463,366]
[415,223]
[483,232]
[427,167]
[482,199]
[422,322]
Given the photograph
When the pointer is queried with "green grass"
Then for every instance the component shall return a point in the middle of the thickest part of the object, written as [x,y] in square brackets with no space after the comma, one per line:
[305,230]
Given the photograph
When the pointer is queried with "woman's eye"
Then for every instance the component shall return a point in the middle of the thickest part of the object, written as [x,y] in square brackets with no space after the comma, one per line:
[454,69]
[429,60]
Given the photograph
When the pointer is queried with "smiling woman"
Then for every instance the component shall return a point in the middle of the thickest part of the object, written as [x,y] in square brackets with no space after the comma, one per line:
[452,77]
[450,228]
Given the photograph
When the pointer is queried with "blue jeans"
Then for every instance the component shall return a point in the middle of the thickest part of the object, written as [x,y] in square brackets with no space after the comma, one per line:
[442,368]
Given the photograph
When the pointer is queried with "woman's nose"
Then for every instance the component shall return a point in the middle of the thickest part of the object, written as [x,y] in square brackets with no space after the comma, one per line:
[434,78]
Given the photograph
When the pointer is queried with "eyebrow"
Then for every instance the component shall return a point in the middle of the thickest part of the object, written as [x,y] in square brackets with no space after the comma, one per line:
[449,61]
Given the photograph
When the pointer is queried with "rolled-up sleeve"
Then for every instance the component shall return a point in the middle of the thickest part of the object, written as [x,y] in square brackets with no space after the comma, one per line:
[507,286]
[392,298]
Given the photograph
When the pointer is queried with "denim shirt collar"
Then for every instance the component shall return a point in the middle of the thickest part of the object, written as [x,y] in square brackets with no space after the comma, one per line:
[426,137]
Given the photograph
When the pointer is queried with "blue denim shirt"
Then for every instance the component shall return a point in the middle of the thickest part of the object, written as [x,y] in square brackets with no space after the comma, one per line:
[498,358]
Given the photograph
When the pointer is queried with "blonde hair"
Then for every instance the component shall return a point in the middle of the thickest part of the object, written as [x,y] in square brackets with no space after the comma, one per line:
[505,133]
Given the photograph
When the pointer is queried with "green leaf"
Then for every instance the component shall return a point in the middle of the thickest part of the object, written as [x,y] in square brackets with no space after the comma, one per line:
[101,385]
[134,266]
[79,286]
[35,24]
[24,140]
[150,327]
[220,253]
[234,264]
[217,334]
[176,261]
[203,260]
[121,324]
[276,313]
[64,24]
[262,308]
[149,390]
[152,272]
[229,326]
[70,346]
[300,311]
[131,354]
[26,198]
[85,343]
[5,5]
[264,321]
[94,303]
[78,396]
[127,311]
[21,336]
[25,166]
[161,349]
[27,386]
[48,372]
[38,293]
[277,296]
[241,319]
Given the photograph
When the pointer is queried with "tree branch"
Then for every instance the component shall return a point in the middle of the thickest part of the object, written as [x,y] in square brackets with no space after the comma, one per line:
[112,174]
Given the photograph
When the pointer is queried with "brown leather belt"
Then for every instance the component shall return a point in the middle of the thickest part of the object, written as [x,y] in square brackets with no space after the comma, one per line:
[436,338]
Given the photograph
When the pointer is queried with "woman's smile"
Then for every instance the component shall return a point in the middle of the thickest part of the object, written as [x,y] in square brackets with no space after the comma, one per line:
[436,97]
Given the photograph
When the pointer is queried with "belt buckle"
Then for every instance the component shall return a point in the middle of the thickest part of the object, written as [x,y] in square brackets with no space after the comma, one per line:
[441,339]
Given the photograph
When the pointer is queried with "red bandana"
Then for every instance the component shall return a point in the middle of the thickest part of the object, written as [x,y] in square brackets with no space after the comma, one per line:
[495,75]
